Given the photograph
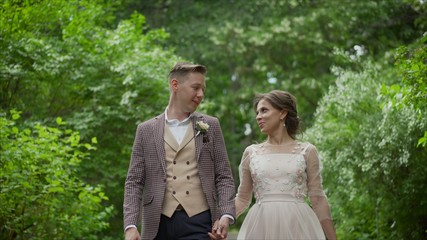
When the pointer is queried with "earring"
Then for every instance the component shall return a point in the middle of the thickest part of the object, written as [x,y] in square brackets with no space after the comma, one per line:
[284,123]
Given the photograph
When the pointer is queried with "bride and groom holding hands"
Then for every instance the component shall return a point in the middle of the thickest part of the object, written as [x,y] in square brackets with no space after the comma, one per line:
[180,186]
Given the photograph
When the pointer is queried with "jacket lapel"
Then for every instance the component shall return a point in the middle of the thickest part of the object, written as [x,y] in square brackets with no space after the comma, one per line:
[199,138]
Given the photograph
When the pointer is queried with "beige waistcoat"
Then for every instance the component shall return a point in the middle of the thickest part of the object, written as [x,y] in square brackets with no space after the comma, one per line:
[183,183]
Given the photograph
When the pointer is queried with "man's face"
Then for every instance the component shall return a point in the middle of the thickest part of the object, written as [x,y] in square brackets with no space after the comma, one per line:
[191,92]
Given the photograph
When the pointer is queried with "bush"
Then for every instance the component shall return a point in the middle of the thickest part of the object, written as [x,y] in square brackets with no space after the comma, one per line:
[372,165]
[41,196]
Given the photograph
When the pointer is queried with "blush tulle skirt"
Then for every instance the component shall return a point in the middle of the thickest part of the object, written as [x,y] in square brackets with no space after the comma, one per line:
[277,217]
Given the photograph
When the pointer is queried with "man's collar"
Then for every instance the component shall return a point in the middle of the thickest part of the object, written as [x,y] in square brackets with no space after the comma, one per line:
[174,120]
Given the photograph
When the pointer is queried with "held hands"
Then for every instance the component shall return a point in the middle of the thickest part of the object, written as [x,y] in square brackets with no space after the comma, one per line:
[132,234]
[220,229]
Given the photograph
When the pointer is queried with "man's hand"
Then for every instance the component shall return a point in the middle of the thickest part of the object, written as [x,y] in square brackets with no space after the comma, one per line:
[132,234]
[220,229]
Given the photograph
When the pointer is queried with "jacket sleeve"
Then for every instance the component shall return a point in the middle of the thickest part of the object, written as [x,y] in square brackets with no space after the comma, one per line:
[134,182]
[224,182]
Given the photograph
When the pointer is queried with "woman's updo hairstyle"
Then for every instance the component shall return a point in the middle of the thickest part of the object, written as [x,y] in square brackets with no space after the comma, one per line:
[282,100]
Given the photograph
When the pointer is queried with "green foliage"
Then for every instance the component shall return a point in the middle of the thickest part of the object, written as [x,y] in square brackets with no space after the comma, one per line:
[372,166]
[248,44]
[412,68]
[36,55]
[132,87]
[103,75]
[103,81]
[411,63]
[257,46]
[42,196]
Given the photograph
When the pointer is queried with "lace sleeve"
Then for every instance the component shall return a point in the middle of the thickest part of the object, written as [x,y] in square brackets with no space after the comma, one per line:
[317,196]
[244,192]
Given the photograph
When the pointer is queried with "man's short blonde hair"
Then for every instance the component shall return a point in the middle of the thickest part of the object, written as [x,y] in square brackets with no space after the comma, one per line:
[182,69]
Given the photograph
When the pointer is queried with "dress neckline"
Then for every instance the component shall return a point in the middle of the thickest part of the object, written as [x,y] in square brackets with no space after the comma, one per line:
[282,144]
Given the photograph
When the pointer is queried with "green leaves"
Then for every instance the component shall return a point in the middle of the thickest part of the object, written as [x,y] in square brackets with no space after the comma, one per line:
[410,62]
[422,142]
[41,191]
[366,136]
[73,66]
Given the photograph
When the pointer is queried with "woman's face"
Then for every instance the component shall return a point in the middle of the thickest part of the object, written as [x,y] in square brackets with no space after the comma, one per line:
[269,119]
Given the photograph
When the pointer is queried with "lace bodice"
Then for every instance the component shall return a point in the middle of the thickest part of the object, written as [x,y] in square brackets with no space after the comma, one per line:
[292,169]
[278,173]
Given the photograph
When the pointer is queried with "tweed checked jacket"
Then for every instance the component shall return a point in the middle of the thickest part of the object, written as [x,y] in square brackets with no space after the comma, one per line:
[146,180]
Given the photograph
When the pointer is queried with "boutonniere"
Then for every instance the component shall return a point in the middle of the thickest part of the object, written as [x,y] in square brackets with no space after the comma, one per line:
[201,127]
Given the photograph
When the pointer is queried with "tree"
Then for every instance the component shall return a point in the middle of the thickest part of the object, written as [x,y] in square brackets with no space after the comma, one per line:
[103,74]
[372,165]
[257,46]
[42,195]
[68,59]
[412,91]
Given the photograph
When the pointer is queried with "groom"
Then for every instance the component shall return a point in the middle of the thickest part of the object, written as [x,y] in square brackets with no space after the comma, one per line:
[179,179]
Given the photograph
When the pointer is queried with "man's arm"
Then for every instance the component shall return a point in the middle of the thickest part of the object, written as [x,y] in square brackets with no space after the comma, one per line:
[224,182]
[134,183]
